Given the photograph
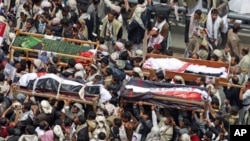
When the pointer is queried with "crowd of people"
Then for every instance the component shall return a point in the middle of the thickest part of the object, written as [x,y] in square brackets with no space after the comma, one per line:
[207,36]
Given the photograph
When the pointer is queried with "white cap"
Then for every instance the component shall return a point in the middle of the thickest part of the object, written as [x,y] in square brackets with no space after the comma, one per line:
[114,56]
[78,66]
[45,4]
[79,74]
[72,4]
[105,53]
[138,71]
[46,107]
[120,45]
[139,52]
[103,47]
[218,53]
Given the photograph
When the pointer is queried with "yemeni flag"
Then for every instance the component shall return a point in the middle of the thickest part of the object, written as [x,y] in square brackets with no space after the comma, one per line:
[165,94]
[51,83]
[2,31]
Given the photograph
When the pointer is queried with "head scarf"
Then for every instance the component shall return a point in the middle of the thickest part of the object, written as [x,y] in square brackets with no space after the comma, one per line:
[137,15]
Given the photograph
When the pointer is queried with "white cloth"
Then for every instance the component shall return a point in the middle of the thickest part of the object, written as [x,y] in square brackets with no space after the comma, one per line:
[24,80]
[39,132]
[104,95]
[225,23]
[85,16]
[120,18]
[26,115]
[173,64]
[246,95]
[137,15]
[28,138]
[239,6]
[160,25]
[92,77]
[122,133]
[157,64]
[109,29]
[155,40]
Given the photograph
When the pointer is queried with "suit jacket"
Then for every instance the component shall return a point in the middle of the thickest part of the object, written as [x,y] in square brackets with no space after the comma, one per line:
[116,28]
[222,5]
[233,42]
[164,31]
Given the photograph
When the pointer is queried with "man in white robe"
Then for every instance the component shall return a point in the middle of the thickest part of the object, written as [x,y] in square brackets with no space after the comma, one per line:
[214,27]
[223,8]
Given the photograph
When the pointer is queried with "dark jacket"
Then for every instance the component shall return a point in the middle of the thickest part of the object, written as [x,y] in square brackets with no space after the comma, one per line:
[128,65]
[58,30]
[73,17]
[85,3]
[135,32]
[120,73]
[13,138]
[89,23]
[162,9]
[83,134]
[232,95]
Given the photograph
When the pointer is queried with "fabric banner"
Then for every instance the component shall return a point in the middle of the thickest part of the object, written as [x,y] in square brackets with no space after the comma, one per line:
[147,91]
[2,31]
[30,42]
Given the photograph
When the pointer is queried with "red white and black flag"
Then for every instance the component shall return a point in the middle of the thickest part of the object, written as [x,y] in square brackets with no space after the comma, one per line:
[2,31]
[136,90]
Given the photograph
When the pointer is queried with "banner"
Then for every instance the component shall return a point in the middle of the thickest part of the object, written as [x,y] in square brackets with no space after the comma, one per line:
[2,31]
[30,42]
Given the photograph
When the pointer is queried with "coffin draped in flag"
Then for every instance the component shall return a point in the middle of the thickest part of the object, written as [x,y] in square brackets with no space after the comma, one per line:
[47,82]
[176,65]
[165,94]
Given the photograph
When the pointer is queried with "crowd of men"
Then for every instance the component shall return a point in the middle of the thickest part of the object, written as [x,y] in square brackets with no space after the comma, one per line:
[207,37]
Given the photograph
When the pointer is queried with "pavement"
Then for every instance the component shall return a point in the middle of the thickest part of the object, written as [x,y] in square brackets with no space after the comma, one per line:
[178,45]
[177,33]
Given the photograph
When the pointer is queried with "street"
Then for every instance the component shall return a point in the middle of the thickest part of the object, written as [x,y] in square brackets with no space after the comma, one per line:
[177,35]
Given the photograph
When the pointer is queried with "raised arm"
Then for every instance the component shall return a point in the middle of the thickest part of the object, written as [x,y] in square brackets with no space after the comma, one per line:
[154,117]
